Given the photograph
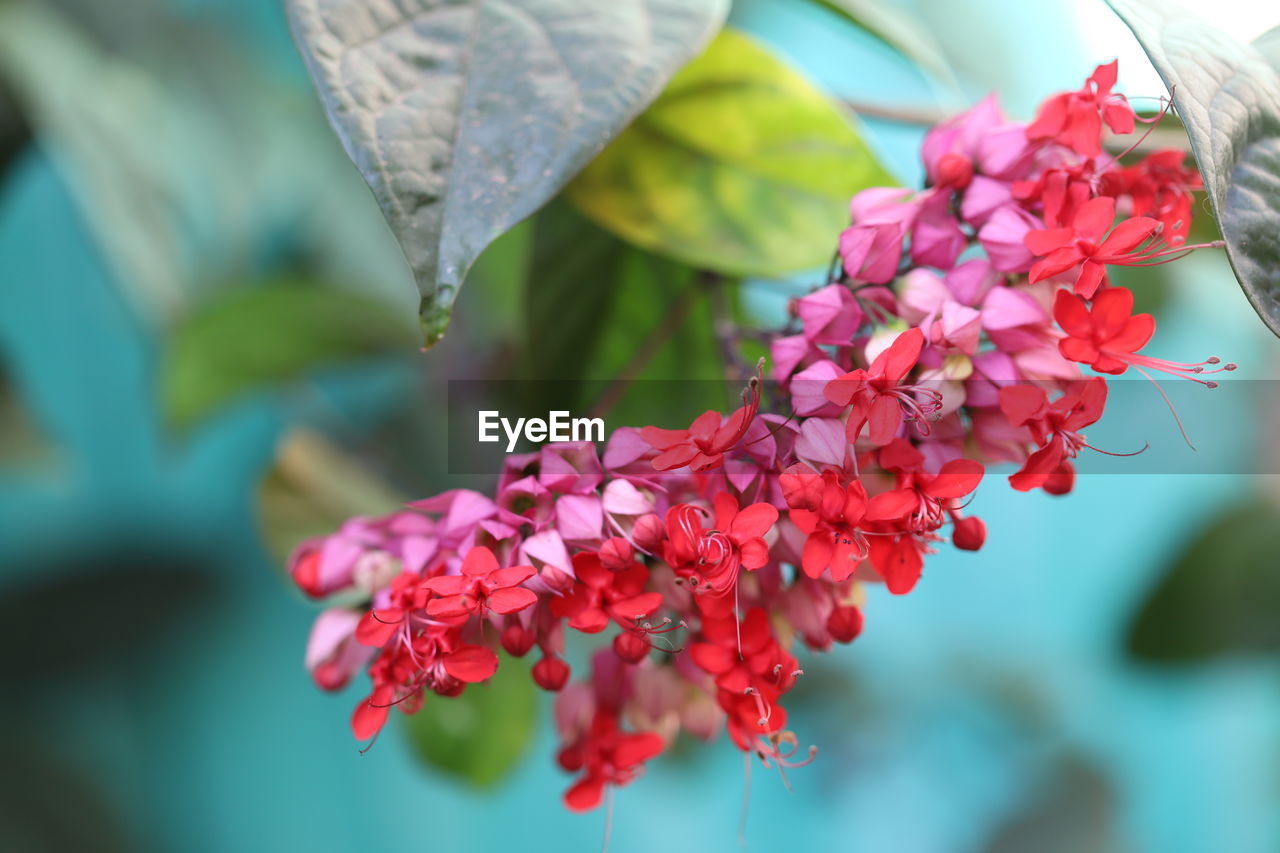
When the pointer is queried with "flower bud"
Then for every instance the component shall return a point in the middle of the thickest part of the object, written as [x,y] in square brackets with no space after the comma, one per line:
[517,640]
[649,532]
[969,534]
[616,554]
[631,647]
[845,623]
[551,673]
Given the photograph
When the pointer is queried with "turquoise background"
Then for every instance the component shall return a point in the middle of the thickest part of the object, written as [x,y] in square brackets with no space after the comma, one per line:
[963,706]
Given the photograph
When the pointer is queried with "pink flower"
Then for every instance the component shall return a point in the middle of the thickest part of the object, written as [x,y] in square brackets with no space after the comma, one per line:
[1003,238]
[333,653]
[830,315]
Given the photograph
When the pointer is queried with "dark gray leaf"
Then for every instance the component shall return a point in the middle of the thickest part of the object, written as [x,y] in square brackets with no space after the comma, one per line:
[1228,96]
[467,116]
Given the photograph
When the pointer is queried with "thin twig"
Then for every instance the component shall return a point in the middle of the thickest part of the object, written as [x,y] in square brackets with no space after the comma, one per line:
[1160,138]
[644,353]
[726,331]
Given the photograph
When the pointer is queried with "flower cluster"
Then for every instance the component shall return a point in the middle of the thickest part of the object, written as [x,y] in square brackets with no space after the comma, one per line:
[952,334]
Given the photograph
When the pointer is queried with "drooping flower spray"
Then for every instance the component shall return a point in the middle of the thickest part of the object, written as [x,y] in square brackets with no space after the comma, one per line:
[954,333]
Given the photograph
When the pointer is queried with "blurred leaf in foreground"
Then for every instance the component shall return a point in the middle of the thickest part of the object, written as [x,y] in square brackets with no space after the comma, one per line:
[1220,596]
[742,166]
[313,487]
[480,735]
[270,335]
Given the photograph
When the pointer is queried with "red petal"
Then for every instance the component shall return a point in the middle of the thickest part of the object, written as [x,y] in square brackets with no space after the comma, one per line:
[1091,276]
[1111,311]
[479,562]
[377,626]
[511,599]
[451,606]
[677,457]
[645,604]
[471,664]
[585,794]
[513,576]
[636,749]
[899,565]
[1127,236]
[899,455]
[891,506]
[661,439]
[371,714]
[1072,314]
[1044,241]
[885,419]
[726,509]
[1023,403]
[1075,349]
[1104,76]
[755,553]
[448,584]
[900,357]
[704,426]
[1094,217]
[713,658]
[841,390]
[1134,335]
[753,522]
[817,554]
[1058,262]
[956,479]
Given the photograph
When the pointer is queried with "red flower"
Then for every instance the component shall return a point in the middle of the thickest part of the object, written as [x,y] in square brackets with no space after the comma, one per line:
[828,513]
[1160,186]
[1074,119]
[1105,335]
[606,756]
[1108,335]
[481,586]
[920,501]
[709,559]
[711,435]
[1054,426]
[599,594]
[1084,245]
[876,394]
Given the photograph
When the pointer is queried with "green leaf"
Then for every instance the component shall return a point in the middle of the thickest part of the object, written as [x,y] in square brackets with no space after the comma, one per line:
[635,326]
[480,735]
[1221,595]
[741,167]
[465,117]
[270,335]
[898,29]
[1228,97]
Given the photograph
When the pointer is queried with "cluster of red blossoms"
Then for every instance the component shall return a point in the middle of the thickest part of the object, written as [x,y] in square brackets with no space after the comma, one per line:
[953,336]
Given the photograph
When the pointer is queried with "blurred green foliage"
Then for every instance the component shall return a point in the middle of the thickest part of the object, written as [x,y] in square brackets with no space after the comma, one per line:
[253,338]
[480,735]
[742,167]
[1219,595]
